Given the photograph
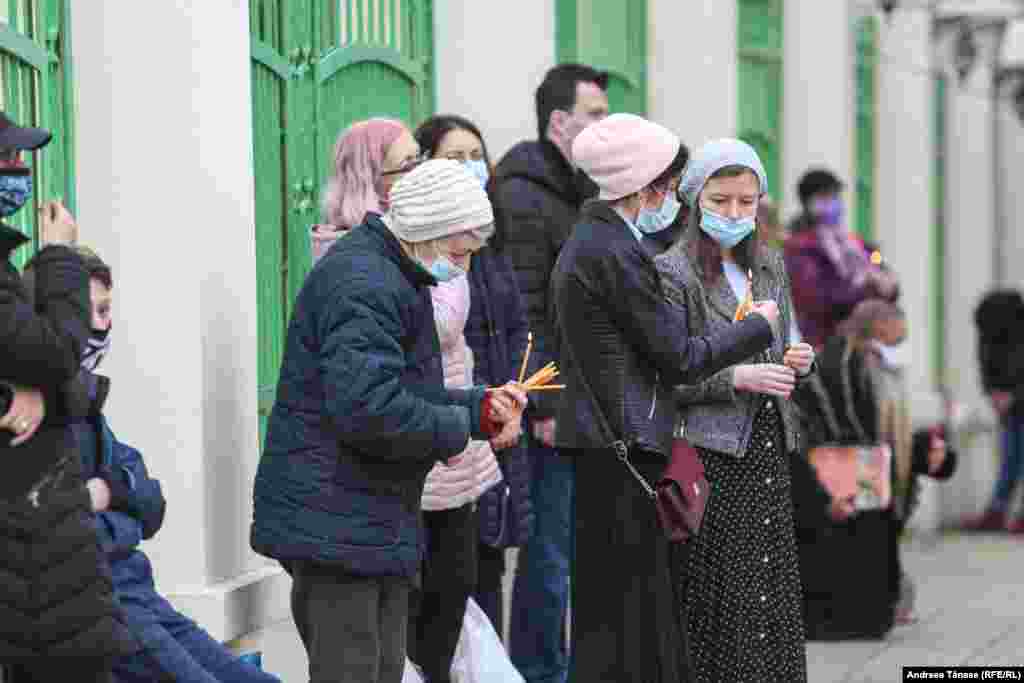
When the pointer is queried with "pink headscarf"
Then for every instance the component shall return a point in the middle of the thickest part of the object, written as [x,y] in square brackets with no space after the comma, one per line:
[355,187]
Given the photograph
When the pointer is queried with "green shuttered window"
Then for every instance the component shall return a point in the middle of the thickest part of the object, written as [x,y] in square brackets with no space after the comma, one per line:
[35,90]
[318,66]
[867,69]
[760,83]
[610,35]
[938,322]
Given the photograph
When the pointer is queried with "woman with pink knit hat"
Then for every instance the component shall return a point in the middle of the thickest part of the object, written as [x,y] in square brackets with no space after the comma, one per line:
[623,349]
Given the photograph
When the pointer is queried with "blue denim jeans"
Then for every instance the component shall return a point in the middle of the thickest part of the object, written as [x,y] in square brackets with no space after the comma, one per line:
[1012,467]
[176,649]
[540,594]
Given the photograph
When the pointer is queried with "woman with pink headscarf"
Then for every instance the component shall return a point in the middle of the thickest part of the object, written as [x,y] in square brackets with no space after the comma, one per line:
[369,157]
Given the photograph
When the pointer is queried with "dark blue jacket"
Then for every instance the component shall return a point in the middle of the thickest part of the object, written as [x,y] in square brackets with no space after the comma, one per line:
[137,507]
[361,414]
[496,332]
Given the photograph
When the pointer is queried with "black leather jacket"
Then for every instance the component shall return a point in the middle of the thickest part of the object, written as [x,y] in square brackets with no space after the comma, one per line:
[623,345]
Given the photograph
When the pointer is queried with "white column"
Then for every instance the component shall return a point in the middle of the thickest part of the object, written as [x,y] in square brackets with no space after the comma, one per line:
[165,192]
[970,228]
[491,56]
[903,180]
[969,266]
[692,68]
[1011,171]
[818,88]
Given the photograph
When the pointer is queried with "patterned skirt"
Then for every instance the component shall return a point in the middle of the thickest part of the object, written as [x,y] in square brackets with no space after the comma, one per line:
[742,596]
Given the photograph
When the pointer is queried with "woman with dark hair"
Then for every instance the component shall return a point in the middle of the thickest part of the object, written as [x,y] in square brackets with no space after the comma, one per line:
[469,553]
[624,346]
[742,598]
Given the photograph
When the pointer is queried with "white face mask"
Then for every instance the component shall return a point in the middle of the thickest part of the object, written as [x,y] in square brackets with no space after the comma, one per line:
[893,357]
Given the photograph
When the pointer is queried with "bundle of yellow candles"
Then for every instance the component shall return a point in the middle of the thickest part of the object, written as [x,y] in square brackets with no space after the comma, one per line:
[540,380]
[747,306]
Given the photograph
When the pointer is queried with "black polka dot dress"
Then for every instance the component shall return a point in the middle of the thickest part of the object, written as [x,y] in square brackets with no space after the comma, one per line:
[742,591]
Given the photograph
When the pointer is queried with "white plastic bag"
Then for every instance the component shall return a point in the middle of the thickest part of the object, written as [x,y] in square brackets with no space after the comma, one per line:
[411,673]
[480,656]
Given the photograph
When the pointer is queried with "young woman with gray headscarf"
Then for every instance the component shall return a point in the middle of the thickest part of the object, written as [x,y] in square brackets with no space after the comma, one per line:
[624,346]
[742,596]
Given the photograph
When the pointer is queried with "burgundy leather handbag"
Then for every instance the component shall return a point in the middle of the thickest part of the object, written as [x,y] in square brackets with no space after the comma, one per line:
[680,495]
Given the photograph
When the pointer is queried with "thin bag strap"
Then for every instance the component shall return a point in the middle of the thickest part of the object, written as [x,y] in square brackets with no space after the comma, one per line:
[615,443]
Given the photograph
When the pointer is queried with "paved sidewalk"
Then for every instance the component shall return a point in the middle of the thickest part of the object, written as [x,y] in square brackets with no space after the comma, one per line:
[970,604]
[971,607]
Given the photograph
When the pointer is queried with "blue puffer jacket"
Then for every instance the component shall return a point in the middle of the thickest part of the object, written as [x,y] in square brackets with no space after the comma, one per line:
[496,332]
[137,507]
[361,414]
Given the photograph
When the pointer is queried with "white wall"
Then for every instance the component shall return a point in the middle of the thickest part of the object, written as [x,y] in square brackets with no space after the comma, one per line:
[692,68]
[166,195]
[1011,171]
[818,90]
[970,226]
[903,175]
[491,56]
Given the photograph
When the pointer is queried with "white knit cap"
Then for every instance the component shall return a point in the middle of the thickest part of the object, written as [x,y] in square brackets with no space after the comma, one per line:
[436,199]
[624,153]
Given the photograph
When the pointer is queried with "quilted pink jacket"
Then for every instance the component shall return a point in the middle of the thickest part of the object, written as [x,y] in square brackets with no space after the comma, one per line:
[464,478]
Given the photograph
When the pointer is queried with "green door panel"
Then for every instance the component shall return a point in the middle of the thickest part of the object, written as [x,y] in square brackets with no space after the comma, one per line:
[35,90]
[612,36]
[270,77]
[317,66]
[759,120]
[867,58]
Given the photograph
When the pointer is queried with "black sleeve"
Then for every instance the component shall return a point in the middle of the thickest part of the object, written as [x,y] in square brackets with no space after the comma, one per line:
[531,244]
[42,343]
[658,327]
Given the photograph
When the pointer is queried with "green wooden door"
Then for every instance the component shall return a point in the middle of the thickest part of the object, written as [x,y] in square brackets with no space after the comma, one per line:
[317,66]
[938,312]
[35,78]
[610,35]
[867,60]
[760,83]
[271,74]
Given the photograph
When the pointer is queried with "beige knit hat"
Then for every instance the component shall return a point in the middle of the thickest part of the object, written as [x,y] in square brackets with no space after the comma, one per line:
[624,153]
[436,199]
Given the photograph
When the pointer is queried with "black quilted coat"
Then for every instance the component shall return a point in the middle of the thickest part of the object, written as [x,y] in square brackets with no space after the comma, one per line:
[56,593]
[623,344]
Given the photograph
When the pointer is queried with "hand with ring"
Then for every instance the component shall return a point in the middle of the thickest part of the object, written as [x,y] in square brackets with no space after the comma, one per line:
[25,414]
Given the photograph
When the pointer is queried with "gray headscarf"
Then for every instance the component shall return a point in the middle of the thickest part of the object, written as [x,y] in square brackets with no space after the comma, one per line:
[712,158]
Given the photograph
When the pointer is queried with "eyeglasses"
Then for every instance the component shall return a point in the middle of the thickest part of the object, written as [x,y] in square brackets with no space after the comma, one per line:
[407,165]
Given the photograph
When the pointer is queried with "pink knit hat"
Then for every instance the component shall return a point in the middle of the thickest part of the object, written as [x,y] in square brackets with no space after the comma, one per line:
[624,153]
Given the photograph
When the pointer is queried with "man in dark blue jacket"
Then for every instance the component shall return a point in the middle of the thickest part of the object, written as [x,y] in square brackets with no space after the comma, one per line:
[129,507]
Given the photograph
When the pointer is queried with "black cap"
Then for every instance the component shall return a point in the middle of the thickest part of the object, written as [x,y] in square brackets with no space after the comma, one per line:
[13,136]
[815,181]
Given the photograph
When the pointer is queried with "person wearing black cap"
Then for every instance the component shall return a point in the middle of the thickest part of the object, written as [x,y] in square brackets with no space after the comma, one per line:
[56,599]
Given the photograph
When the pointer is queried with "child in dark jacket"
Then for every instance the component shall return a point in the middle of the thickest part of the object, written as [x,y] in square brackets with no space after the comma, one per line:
[129,507]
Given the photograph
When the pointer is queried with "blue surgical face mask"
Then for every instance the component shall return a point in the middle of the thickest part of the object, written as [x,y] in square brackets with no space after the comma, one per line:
[444,269]
[650,221]
[726,231]
[479,169]
[15,189]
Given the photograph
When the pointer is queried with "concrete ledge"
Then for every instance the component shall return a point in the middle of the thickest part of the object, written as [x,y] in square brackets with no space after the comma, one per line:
[233,608]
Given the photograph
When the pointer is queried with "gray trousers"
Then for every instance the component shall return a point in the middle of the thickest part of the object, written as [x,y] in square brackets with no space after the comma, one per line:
[353,627]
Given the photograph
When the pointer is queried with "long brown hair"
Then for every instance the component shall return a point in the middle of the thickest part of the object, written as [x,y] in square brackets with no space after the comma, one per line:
[708,251]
